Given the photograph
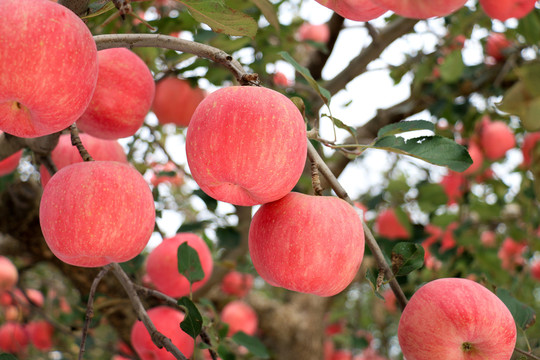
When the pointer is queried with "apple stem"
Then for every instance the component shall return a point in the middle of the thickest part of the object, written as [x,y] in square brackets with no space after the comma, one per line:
[76,141]
[315,180]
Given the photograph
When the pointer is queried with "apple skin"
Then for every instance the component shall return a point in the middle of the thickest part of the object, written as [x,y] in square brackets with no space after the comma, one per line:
[13,337]
[40,333]
[162,265]
[357,10]
[240,317]
[65,153]
[302,242]
[496,138]
[318,33]
[280,79]
[388,226]
[124,93]
[246,145]
[8,274]
[505,9]
[237,283]
[529,143]
[98,212]
[63,57]
[421,9]
[496,43]
[176,101]
[167,321]
[446,314]
[477,157]
[535,269]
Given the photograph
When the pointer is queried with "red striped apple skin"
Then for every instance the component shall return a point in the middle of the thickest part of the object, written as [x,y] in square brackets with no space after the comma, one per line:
[246,145]
[453,318]
[48,67]
[98,212]
[421,9]
[357,10]
[505,9]
[304,243]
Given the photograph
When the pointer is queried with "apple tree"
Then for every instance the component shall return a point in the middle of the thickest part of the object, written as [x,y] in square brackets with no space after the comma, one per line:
[204,179]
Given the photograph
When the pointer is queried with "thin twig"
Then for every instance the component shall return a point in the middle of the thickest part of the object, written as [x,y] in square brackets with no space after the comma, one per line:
[76,141]
[90,307]
[315,180]
[48,163]
[527,354]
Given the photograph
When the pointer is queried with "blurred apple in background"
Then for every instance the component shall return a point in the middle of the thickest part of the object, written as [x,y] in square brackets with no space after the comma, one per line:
[505,9]
[240,317]
[535,269]
[388,225]
[357,10]
[496,44]
[421,9]
[477,157]
[280,79]
[237,283]
[529,143]
[496,138]
[13,337]
[166,173]
[318,33]
[40,333]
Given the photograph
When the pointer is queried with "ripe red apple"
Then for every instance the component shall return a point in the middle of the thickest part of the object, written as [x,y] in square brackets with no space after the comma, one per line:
[176,101]
[529,143]
[341,354]
[237,283]
[12,313]
[123,96]
[535,269]
[65,153]
[240,317]
[496,44]
[488,238]
[318,33]
[390,301]
[477,158]
[454,185]
[496,138]
[454,318]
[162,265]
[280,79]
[8,274]
[177,179]
[48,70]
[357,10]
[505,9]
[98,212]
[421,9]
[369,354]
[301,242]
[389,226]
[40,333]
[246,145]
[167,321]
[511,254]
[13,337]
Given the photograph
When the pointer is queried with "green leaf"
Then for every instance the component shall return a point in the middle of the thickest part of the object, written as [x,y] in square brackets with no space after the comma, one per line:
[405,126]
[192,323]
[221,18]
[340,124]
[436,150]
[189,263]
[430,197]
[228,237]
[529,27]
[192,226]
[269,12]
[407,257]
[373,282]
[323,93]
[98,8]
[224,353]
[524,315]
[210,202]
[5,356]
[254,345]
[452,67]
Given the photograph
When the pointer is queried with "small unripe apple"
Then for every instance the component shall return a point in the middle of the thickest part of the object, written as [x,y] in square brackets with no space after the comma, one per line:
[496,44]
[98,212]
[162,265]
[13,337]
[40,333]
[389,226]
[246,145]
[505,9]
[302,243]
[176,101]
[452,318]
[8,274]
[48,70]
[318,33]
[496,138]
[123,96]
[240,317]
[357,10]
[167,321]
[421,9]
[237,283]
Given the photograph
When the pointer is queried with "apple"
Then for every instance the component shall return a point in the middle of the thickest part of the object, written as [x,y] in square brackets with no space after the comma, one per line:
[318,33]
[280,79]
[511,253]
[369,354]
[124,93]
[496,138]
[301,242]
[535,269]
[421,9]
[496,44]
[237,283]
[40,334]
[34,295]
[455,318]
[65,153]
[240,317]
[12,313]
[167,321]
[529,143]
[477,157]
[454,185]
[341,354]
[176,101]
[390,301]
[177,179]
[13,337]
[48,70]
[98,212]
[328,349]
[357,10]
[505,9]
[389,226]
[246,145]
[8,274]
[162,265]
[488,238]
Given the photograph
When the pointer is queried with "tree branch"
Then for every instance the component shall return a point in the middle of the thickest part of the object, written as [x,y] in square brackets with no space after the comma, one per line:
[41,146]
[527,354]
[76,141]
[79,7]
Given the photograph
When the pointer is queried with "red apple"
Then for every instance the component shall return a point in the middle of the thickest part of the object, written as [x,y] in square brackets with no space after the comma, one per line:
[341,355]
[452,318]
[65,153]
[123,96]
[318,33]
[529,143]
[167,321]
[511,254]
[34,295]
[98,212]
[176,101]
[421,9]
[48,70]
[177,179]
[40,333]
[357,10]
[246,145]
[477,158]
[496,44]
[13,337]
[389,226]
[390,301]
[496,138]
[535,269]
[162,265]
[369,354]
[488,238]
[12,313]
[454,185]
[8,274]
[237,283]
[240,317]
[506,9]
[301,242]
[280,79]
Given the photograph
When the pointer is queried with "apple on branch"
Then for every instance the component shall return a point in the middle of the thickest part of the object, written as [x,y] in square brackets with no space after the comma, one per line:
[421,9]
[505,9]
[357,10]
[240,317]
[8,274]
